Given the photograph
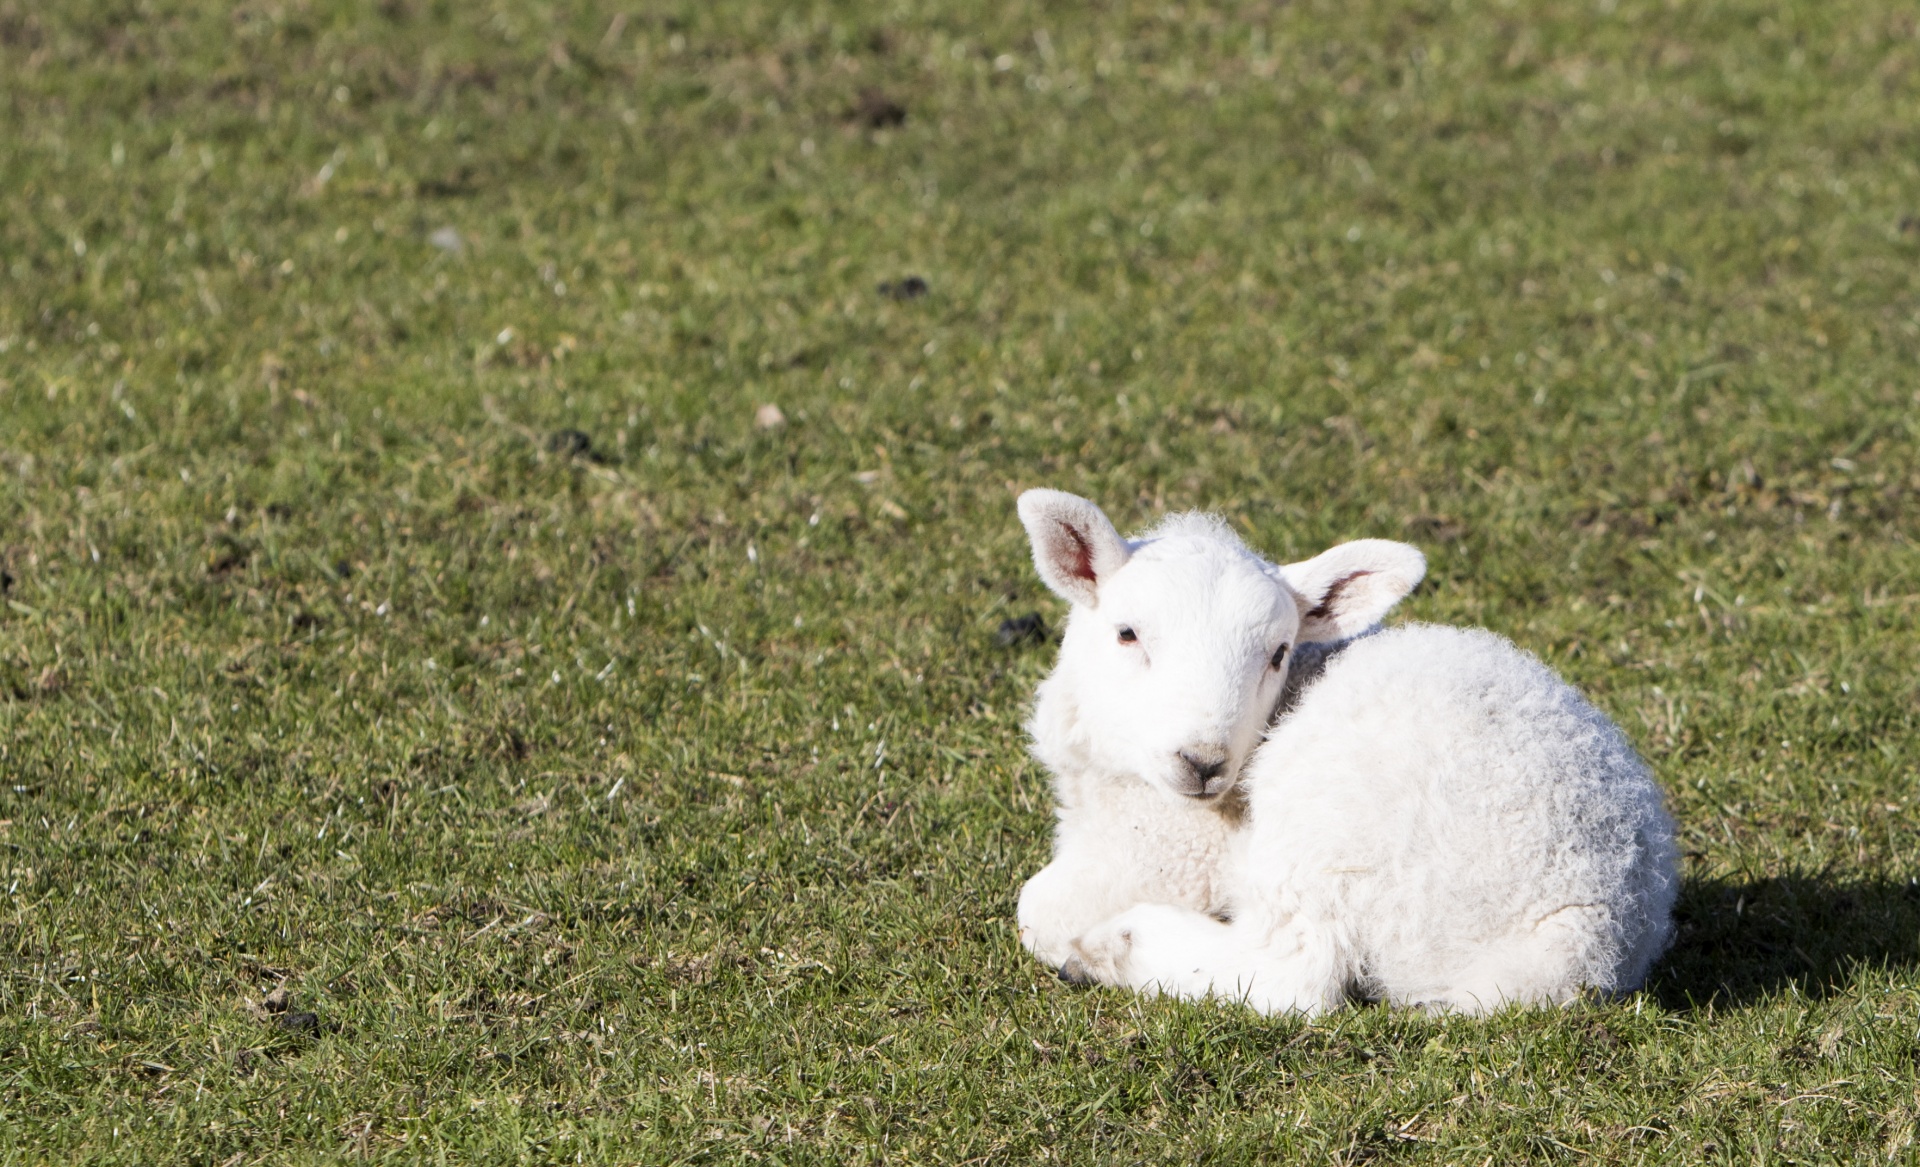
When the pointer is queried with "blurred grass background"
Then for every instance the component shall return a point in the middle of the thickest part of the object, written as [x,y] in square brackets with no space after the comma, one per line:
[411,606]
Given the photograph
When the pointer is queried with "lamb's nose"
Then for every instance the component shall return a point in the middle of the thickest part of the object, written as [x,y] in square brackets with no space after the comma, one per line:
[1205,765]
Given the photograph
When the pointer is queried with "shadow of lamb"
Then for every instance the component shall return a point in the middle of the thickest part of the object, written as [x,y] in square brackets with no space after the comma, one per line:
[1742,940]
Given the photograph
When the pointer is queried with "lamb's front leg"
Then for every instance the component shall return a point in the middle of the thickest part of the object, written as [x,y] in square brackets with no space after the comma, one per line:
[1062,901]
[1162,947]
[1184,953]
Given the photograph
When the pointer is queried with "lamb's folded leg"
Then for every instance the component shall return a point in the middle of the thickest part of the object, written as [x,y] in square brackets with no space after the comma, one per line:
[1158,947]
[1063,900]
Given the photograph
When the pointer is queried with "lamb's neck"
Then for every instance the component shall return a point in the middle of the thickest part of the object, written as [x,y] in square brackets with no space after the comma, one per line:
[1132,836]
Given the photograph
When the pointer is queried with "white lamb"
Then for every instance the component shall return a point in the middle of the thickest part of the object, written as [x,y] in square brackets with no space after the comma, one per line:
[1429,815]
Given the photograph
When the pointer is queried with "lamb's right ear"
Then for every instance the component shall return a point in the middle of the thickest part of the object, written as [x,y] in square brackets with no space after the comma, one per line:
[1347,590]
[1075,548]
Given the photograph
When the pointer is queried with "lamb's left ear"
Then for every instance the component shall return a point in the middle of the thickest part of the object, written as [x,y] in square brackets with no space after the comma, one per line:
[1347,590]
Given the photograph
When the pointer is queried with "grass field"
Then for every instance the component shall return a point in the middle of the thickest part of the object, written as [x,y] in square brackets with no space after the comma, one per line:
[392,774]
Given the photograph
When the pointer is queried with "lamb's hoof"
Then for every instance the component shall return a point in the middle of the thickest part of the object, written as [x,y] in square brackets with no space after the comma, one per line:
[1074,972]
[1103,953]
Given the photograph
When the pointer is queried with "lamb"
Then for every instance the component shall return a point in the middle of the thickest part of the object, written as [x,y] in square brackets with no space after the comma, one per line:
[1264,796]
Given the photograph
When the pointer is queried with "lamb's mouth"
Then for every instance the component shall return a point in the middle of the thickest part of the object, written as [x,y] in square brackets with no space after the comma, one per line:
[1213,793]
[1186,787]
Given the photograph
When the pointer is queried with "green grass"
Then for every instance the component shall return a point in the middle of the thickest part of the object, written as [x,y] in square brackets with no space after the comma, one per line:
[667,804]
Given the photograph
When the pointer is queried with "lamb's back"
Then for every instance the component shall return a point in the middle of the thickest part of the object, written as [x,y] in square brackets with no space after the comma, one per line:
[1450,771]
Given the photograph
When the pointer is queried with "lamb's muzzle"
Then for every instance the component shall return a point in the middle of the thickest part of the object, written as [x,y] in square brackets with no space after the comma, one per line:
[1203,765]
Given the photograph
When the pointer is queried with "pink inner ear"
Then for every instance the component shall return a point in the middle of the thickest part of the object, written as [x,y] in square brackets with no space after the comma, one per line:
[1082,567]
[1324,608]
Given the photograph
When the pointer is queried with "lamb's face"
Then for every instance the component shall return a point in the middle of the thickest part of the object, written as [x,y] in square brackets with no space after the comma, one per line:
[1176,673]
[1177,649]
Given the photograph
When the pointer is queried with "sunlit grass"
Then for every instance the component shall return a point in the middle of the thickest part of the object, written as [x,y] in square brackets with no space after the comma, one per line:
[655,791]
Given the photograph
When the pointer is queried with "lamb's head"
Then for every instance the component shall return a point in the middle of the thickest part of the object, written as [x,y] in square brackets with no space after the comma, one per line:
[1177,646]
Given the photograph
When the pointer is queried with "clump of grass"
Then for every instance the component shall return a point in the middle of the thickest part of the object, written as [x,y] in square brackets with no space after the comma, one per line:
[408,606]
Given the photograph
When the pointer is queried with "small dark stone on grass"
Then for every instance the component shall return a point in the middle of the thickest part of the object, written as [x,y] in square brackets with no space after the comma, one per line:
[875,110]
[910,288]
[6,582]
[303,1024]
[571,444]
[342,569]
[1027,629]
[457,185]
[227,555]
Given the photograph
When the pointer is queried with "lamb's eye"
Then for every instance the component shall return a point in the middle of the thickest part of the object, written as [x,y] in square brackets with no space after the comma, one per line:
[1279,656]
[1127,636]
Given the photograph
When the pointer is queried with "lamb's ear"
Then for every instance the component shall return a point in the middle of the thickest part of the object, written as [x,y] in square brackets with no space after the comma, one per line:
[1075,548]
[1347,590]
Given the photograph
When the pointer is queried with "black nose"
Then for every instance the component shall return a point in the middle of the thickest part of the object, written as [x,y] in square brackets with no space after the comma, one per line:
[1204,769]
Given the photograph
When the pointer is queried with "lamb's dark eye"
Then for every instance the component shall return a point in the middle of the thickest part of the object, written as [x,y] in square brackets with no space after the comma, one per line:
[1127,636]
[1279,656]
